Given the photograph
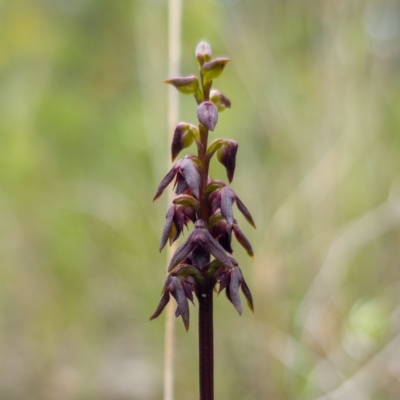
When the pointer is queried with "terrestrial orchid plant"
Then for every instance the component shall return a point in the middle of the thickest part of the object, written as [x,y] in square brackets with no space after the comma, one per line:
[208,203]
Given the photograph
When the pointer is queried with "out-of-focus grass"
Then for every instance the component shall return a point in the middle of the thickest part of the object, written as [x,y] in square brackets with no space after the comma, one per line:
[315,89]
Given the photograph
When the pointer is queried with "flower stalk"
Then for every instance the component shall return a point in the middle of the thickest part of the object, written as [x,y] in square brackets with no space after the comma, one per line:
[208,204]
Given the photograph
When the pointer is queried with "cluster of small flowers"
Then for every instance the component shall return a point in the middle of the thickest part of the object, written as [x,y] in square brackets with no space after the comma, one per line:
[198,195]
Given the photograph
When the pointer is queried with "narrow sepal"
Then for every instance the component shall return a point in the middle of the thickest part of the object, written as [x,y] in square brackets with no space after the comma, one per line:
[247,294]
[242,208]
[242,239]
[161,305]
[188,288]
[207,113]
[185,85]
[213,69]
[223,282]
[214,248]
[182,252]
[167,227]
[166,181]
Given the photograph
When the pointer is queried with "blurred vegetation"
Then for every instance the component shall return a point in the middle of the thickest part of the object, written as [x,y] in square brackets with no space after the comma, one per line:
[315,88]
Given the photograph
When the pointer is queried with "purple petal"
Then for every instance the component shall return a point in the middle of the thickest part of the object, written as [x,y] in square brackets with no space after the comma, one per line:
[189,214]
[187,288]
[242,240]
[227,198]
[181,185]
[215,201]
[180,297]
[224,281]
[179,221]
[234,285]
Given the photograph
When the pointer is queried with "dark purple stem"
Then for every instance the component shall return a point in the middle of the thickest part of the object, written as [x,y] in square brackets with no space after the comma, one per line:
[206,341]
[205,290]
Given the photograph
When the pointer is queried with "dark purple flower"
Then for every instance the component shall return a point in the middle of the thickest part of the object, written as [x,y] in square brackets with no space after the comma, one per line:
[223,197]
[200,237]
[177,217]
[221,230]
[231,279]
[181,288]
[187,177]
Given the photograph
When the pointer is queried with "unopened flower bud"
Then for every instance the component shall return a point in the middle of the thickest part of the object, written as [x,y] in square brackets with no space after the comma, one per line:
[226,155]
[185,85]
[183,137]
[207,113]
[203,52]
[219,100]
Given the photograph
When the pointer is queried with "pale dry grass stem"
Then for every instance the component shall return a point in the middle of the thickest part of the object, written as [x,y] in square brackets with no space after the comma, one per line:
[174,56]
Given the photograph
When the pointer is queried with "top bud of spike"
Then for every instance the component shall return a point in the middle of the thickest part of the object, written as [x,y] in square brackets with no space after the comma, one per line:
[203,52]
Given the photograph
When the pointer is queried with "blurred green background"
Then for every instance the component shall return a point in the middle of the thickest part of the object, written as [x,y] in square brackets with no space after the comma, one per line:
[315,88]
